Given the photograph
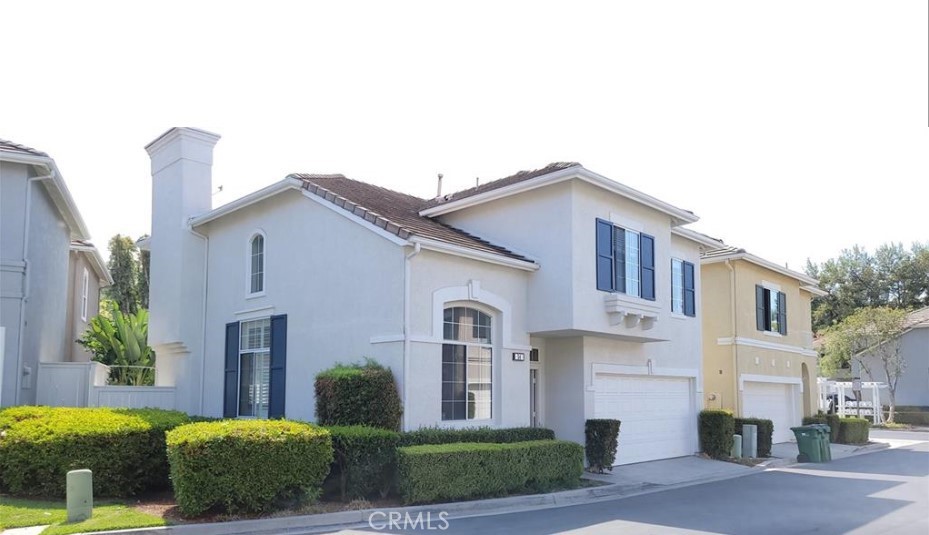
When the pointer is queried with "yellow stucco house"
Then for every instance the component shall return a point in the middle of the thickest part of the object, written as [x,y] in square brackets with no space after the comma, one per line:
[758,357]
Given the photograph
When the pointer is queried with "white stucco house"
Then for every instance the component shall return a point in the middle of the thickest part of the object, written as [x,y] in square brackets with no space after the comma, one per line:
[50,275]
[544,298]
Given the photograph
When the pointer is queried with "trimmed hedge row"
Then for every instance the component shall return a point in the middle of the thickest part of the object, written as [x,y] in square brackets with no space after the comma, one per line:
[716,430]
[842,430]
[438,435]
[364,461]
[125,449]
[765,433]
[912,417]
[246,466]
[358,394]
[832,420]
[448,472]
[600,443]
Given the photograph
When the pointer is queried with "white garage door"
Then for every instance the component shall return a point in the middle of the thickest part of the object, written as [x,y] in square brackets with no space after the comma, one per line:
[774,401]
[657,418]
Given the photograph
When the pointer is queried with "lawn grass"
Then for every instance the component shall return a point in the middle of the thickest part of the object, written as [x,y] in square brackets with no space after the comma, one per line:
[18,513]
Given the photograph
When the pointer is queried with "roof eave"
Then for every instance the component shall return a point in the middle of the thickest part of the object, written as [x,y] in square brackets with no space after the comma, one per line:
[474,254]
[96,261]
[806,283]
[695,236]
[247,200]
[678,215]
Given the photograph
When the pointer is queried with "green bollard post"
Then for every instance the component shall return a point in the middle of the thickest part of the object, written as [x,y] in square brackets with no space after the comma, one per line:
[80,495]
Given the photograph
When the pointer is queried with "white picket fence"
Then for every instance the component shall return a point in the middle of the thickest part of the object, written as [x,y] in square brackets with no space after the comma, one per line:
[83,384]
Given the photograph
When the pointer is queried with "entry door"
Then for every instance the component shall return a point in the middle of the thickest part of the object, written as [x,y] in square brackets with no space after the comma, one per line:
[534,397]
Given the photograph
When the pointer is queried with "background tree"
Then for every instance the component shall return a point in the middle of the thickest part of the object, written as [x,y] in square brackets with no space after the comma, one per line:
[124,267]
[869,338]
[893,276]
[145,261]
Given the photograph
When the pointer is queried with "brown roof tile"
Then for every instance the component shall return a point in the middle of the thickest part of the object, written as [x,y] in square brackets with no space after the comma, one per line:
[521,176]
[395,212]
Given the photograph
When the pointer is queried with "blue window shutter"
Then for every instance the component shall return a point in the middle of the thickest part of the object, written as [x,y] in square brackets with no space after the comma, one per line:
[782,312]
[619,256]
[690,291]
[760,309]
[647,266]
[231,378]
[604,256]
[278,380]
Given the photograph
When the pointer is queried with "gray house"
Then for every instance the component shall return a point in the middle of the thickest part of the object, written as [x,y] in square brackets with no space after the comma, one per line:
[50,275]
[913,385]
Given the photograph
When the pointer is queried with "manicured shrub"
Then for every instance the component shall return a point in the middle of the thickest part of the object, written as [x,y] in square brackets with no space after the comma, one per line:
[832,420]
[765,432]
[716,430]
[438,435]
[912,418]
[124,449]
[364,460]
[600,443]
[358,394]
[462,471]
[246,466]
[853,431]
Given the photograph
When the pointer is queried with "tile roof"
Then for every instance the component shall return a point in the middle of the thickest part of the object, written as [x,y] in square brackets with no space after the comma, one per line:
[16,147]
[722,251]
[395,212]
[500,183]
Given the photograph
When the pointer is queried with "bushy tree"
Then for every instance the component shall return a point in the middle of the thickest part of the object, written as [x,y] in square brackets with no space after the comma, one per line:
[124,267]
[120,340]
[145,262]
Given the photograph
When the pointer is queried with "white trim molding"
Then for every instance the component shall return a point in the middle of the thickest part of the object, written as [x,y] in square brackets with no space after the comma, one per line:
[649,370]
[475,294]
[779,379]
[254,313]
[751,342]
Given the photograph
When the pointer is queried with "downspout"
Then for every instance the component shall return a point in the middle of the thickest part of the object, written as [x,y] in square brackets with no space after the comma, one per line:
[26,280]
[205,278]
[407,275]
[734,329]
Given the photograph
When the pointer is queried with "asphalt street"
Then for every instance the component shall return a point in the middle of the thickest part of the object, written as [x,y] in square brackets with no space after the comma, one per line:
[886,492]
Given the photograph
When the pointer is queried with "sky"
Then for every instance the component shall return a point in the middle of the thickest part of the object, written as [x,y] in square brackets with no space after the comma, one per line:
[794,129]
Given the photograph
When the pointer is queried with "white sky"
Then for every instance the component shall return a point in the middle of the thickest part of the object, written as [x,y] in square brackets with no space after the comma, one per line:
[793,129]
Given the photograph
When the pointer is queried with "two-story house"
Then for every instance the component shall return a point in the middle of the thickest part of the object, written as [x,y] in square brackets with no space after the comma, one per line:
[758,356]
[50,275]
[544,298]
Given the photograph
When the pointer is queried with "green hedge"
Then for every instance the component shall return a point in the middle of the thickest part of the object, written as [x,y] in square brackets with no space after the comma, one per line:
[716,430]
[364,460]
[125,449]
[765,433]
[832,420]
[358,394]
[438,435]
[247,466]
[912,418]
[600,443]
[449,472]
[853,431]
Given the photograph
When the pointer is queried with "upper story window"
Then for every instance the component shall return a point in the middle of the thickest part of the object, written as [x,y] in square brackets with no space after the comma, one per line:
[85,297]
[256,273]
[770,310]
[683,291]
[625,261]
[467,365]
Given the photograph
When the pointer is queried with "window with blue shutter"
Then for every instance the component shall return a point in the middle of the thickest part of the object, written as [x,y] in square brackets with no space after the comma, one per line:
[255,368]
[604,256]
[690,290]
[278,379]
[625,261]
[647,266]
[231,376]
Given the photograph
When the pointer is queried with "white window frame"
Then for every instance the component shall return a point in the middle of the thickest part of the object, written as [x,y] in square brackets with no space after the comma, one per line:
[677,286]
[255,352]
[469,345]
[85,291]
[264,265]
[631,244]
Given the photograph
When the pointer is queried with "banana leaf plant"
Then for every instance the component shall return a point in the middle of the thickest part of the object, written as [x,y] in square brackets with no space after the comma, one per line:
[121,341]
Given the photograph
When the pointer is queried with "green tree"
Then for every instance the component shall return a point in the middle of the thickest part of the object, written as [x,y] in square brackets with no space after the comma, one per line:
[145,262]
[870,338]
[120,341]
[124,267]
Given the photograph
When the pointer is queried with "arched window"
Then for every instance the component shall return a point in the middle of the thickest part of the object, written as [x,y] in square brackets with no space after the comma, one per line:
[256,274]
[467,365]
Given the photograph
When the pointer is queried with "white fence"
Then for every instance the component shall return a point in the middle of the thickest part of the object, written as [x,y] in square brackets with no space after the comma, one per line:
[83,384]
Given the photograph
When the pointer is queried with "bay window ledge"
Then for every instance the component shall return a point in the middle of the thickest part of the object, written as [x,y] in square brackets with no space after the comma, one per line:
[631,312]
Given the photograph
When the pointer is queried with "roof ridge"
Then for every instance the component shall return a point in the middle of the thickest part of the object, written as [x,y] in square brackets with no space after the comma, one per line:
[351,206]
[518,176]
[18,147]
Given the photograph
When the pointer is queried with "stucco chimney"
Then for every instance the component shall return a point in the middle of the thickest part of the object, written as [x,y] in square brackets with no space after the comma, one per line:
[182,160]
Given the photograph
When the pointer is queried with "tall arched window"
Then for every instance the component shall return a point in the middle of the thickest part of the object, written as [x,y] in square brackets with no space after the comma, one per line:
[256,274]
[467,365]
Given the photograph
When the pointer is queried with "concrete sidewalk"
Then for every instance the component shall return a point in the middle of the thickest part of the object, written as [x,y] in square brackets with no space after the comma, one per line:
[785,453]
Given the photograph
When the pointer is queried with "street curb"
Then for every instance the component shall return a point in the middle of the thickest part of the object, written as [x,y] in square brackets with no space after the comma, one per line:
[861,450]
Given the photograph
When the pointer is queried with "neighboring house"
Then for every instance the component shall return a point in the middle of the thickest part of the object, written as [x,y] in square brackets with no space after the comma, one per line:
[913,384]
[544,298]
[41,278]
[88,275]
[758,357]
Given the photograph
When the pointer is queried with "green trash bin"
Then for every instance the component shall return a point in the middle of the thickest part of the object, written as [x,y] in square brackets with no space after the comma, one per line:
[825,434]
[808,443]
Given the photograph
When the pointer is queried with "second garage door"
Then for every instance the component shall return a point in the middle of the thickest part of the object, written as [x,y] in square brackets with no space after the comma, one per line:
[775,402]
[658,420]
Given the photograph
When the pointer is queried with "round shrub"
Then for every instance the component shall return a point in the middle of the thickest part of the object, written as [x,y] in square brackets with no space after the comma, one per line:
[123,447]
[358,394]
[246,466]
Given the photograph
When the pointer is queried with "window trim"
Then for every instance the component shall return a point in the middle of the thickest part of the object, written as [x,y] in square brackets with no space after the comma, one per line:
[249,294]
[253,352]
[763,310]
[494,325]
[85,294]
